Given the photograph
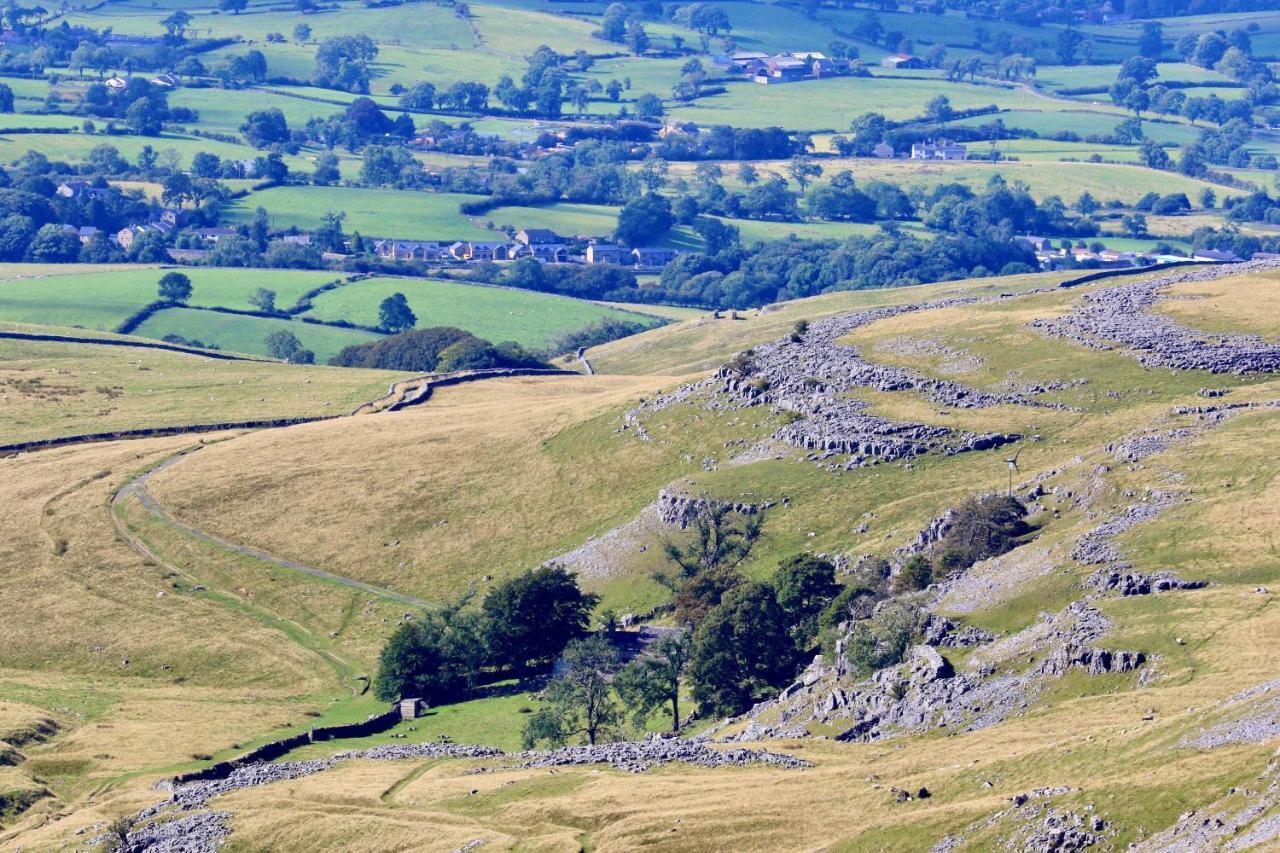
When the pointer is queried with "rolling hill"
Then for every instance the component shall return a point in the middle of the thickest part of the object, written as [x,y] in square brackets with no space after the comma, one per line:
[1106,681]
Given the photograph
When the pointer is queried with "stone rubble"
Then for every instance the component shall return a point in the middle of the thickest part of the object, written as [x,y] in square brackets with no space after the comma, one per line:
[1122,314]
[181,824]
[808,376]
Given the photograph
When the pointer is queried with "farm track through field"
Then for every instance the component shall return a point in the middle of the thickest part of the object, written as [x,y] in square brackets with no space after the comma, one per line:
[137,487]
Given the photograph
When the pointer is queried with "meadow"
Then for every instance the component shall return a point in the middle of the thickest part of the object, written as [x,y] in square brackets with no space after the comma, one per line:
[494,313]
[238,333]
[399,214]
[96,298]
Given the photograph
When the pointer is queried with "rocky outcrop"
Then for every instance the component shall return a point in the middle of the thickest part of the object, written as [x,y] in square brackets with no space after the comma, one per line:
[1122,315]
[677,509]
[807,377]
[1126,582]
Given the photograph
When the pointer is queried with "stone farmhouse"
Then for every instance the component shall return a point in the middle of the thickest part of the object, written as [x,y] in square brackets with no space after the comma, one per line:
[787,67]
[903,61]
[940,150]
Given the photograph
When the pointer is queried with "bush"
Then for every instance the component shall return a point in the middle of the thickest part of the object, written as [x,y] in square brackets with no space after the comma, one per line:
[883,640]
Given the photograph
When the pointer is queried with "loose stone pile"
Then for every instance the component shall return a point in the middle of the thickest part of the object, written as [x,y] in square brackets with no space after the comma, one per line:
[181,825]
[1121,314]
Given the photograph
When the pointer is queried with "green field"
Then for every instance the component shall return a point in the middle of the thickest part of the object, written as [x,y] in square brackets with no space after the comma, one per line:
[494,313]
[238,333]
[833,103]
[1083,123]
[72,295]
[401,214]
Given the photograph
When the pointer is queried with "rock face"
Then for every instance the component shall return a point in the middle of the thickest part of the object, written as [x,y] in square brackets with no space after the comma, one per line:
[681,510]
[808,376]
[1121,314]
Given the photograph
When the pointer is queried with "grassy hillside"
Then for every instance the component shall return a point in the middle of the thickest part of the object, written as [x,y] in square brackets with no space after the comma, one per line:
[434,522]
[55,389]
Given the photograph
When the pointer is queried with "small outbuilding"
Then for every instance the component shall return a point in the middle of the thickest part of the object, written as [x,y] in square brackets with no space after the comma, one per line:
[411,709]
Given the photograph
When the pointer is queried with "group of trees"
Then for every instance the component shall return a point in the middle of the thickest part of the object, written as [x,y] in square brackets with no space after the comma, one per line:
[439,349]
[737,640]
[522,625]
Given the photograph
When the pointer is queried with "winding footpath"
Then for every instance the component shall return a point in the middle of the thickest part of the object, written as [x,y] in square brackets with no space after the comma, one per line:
[138,487]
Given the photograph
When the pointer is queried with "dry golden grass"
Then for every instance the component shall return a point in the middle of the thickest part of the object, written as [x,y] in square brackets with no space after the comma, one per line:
[1237,303]
[524,469]
[53,389]
[487,479]
[696,346]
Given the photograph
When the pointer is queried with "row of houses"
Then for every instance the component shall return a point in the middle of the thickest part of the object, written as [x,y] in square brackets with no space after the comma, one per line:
[1050,256]
[787,67]
[473,251]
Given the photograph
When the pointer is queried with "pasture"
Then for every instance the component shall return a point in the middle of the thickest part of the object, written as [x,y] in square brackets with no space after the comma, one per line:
[54,389]
[99,298]
[246,334]
[494,313]
[402,214]
[831,104]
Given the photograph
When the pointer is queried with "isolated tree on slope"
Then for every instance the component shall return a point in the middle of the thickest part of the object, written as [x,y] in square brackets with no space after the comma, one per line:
[175,287]
[395,315]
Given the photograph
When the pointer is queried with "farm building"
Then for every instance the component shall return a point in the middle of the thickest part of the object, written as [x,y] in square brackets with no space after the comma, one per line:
[80,189]
[605,253]
[653,257]
[940,150]
[903,61]
[213,235]
[883,150]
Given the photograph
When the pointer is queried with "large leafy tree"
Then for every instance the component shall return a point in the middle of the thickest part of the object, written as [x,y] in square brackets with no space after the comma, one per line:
[741,651]
[436,657]
[530,618]
[395,315]
[653,680]
[579,699]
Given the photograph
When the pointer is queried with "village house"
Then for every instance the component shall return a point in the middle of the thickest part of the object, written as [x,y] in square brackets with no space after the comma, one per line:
[80,189]
[605,253]
[117,83]
[940,150]
[653,257]
[542,244]
[883,150]
[126,236]
[409,250]
[166,81]
[483,251]
[84,232]
[903,61]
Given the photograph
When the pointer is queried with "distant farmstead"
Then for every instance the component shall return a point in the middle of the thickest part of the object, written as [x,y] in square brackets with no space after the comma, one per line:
[940,150]
[903,61]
